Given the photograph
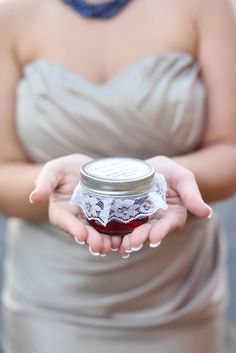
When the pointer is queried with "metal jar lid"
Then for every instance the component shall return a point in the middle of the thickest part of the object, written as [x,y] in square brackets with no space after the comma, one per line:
[117,176]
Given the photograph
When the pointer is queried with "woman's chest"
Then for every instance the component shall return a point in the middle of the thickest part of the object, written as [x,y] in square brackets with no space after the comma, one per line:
[100,49]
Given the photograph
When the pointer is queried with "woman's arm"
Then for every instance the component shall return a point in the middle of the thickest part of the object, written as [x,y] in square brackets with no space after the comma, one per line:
[17,175]
[214,165]
[214,169]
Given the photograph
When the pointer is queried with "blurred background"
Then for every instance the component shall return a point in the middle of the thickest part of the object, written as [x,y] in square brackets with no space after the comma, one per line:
[227,212]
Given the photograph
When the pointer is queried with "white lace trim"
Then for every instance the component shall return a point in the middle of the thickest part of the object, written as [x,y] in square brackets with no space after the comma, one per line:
[104,209]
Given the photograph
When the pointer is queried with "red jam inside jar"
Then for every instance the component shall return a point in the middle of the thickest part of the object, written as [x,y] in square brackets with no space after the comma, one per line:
[117,228]
[123,182]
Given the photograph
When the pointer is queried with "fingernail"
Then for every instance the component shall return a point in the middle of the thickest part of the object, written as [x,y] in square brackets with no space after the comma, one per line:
[125,257]
[31,195]
[79,241]
[138,248]
[210,212]
[155,245]
[114,249]
[102,255]
[93,252]
[129,251]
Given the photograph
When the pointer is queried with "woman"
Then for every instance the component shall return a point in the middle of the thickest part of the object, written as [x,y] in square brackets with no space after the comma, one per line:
[147,79]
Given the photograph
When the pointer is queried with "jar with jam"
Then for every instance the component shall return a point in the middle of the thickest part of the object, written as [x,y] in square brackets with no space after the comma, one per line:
[119,194]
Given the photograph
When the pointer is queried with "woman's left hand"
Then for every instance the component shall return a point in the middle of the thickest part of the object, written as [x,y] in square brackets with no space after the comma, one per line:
[183,195]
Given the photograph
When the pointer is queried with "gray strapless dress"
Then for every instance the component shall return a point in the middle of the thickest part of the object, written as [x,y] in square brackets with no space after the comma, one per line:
[57,297]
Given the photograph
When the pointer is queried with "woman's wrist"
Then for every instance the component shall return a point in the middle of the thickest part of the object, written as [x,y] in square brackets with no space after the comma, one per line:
[17,180]
[212,166]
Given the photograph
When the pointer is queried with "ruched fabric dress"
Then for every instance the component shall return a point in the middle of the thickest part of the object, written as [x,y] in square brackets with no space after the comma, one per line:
[57,297]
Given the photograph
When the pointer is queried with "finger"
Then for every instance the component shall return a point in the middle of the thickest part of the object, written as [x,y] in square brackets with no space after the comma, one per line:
[125,247]
[168,224]
[94,241]
[191,197]
[69,224]
[106,242]
[48,180]
[115,242]
[139,236]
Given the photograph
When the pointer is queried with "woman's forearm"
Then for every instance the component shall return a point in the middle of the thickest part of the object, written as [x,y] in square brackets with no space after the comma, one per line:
[214,168]
[16,183]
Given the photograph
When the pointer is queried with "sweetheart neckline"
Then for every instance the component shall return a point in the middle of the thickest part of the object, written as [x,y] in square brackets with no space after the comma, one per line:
[115,77]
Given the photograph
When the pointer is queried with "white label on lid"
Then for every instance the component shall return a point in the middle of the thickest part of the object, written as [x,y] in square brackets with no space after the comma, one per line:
[118,168]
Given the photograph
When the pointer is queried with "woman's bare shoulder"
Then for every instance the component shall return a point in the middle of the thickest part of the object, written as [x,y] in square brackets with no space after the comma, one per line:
[15,8]
[20,23]
[206,9]
[13,12]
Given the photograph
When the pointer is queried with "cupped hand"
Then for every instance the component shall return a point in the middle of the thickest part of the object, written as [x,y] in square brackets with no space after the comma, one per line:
[55,184]
[183,195]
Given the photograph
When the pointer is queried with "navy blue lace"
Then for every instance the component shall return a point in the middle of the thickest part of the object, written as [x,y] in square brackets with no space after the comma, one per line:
[103,10]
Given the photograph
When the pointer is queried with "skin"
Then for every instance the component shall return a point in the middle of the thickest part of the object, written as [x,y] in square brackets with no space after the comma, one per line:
[102,51]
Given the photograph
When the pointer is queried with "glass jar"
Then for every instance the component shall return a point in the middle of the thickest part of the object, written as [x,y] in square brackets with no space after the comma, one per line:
[114,194]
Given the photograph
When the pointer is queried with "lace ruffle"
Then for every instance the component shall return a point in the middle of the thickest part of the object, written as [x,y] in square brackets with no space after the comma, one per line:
[123,209]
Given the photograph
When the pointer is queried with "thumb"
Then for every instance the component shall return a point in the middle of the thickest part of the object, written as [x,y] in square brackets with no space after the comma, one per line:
[191,197]
[48,180]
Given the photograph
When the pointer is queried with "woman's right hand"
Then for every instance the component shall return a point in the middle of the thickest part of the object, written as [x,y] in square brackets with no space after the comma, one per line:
[55,184]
